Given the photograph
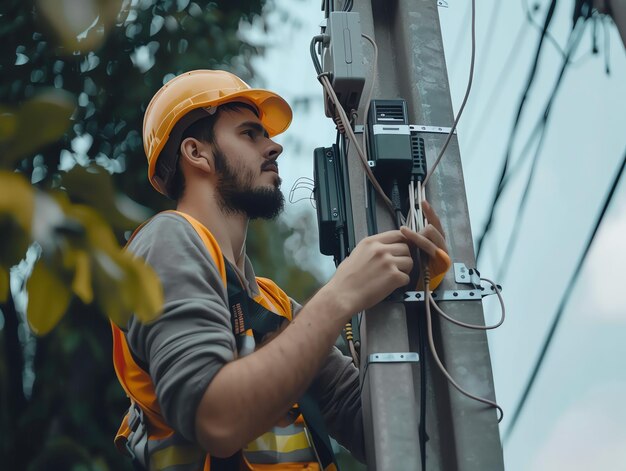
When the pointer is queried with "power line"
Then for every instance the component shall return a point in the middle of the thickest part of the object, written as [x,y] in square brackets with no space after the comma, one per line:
[564,299]
[507,156]
[572,44]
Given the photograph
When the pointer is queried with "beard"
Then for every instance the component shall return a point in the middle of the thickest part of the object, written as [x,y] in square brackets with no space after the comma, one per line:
[236,194]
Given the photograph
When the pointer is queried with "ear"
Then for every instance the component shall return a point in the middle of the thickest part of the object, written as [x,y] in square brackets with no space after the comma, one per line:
[197,154]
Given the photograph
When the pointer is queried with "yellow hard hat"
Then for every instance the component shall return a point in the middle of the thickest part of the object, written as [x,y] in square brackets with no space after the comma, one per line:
[191,96]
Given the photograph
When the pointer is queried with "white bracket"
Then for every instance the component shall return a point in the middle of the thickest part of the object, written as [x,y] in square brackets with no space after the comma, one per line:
[430,129]
[403,357]
[421,128]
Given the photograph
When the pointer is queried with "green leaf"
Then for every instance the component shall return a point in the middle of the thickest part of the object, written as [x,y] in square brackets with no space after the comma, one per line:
[145,287]
[8,124]
[110,292]
[81,284]
[83,15]
[17,199]
[93,186]
[40,121]
[4,285]
[16,216]
[48,299]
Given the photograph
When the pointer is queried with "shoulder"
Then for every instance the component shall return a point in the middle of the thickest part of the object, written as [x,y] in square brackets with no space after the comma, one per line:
[164,229]
[175,236]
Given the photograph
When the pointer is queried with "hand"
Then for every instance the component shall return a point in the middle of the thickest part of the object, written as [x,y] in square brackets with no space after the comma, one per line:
[431,238]
[432,242]
[377,266]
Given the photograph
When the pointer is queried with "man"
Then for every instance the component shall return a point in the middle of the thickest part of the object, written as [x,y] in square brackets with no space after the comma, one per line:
[201,386]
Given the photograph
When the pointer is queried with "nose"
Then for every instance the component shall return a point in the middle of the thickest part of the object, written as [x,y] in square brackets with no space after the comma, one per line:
[273,150]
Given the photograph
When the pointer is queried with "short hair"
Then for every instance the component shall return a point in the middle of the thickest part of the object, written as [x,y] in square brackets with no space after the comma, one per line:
[203,130]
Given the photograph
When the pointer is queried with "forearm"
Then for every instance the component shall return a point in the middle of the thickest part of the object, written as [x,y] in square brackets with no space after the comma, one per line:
[250,395]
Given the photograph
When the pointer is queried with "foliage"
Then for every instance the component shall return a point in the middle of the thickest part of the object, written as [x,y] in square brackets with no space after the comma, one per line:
[76,77]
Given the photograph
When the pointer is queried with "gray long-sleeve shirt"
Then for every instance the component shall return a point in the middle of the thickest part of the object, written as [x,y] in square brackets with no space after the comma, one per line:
[189,343]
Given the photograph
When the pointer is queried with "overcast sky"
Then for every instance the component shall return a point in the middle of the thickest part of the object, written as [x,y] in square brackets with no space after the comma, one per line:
[575,416]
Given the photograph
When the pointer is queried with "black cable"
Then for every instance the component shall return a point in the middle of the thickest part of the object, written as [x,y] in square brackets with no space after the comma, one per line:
[573,41]
[531,20]
[397,203]
[372,223]
[507,157]
[607,47]
[564,299]
[422,340]
[342,245]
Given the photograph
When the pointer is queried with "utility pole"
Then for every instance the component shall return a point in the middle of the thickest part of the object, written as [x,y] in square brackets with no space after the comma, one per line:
[462,434]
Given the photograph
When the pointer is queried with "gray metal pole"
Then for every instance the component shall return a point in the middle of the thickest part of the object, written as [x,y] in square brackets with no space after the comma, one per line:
[462,434]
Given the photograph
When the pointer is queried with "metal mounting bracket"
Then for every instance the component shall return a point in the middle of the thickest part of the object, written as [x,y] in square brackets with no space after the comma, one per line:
[403,357]
[422,128]
[452,294]
[464,275]
[430,129]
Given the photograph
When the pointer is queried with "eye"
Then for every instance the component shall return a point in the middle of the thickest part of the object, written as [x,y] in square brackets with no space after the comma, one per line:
[250,133]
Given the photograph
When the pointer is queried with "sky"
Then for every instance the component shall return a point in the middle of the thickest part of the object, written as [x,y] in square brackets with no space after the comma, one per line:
[575,414]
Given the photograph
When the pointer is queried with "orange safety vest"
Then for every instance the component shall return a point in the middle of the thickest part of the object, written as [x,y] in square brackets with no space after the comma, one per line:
[150,441]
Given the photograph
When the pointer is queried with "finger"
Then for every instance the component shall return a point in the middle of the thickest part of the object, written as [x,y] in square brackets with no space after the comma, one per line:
[389,237]
[399,249]
[432,217]
[433,234]
[420,241]
[404,264]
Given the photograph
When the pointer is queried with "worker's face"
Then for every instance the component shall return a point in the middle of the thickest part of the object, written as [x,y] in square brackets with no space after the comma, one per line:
[245,162]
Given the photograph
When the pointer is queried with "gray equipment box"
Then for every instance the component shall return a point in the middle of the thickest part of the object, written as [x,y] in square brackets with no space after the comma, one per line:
[343,59]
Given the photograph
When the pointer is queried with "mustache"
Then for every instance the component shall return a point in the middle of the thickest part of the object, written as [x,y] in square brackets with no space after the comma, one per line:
[269,165]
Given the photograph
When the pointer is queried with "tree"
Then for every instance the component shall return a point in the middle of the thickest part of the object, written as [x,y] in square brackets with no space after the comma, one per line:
[76,78]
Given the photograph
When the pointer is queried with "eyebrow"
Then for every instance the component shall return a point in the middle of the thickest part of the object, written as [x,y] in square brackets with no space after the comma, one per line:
[254,125]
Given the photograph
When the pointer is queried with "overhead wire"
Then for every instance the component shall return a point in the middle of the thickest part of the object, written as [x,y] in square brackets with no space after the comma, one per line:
[506,173]
[479,125]
[531,20]
[575,37]
[503,171]
[569,289]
